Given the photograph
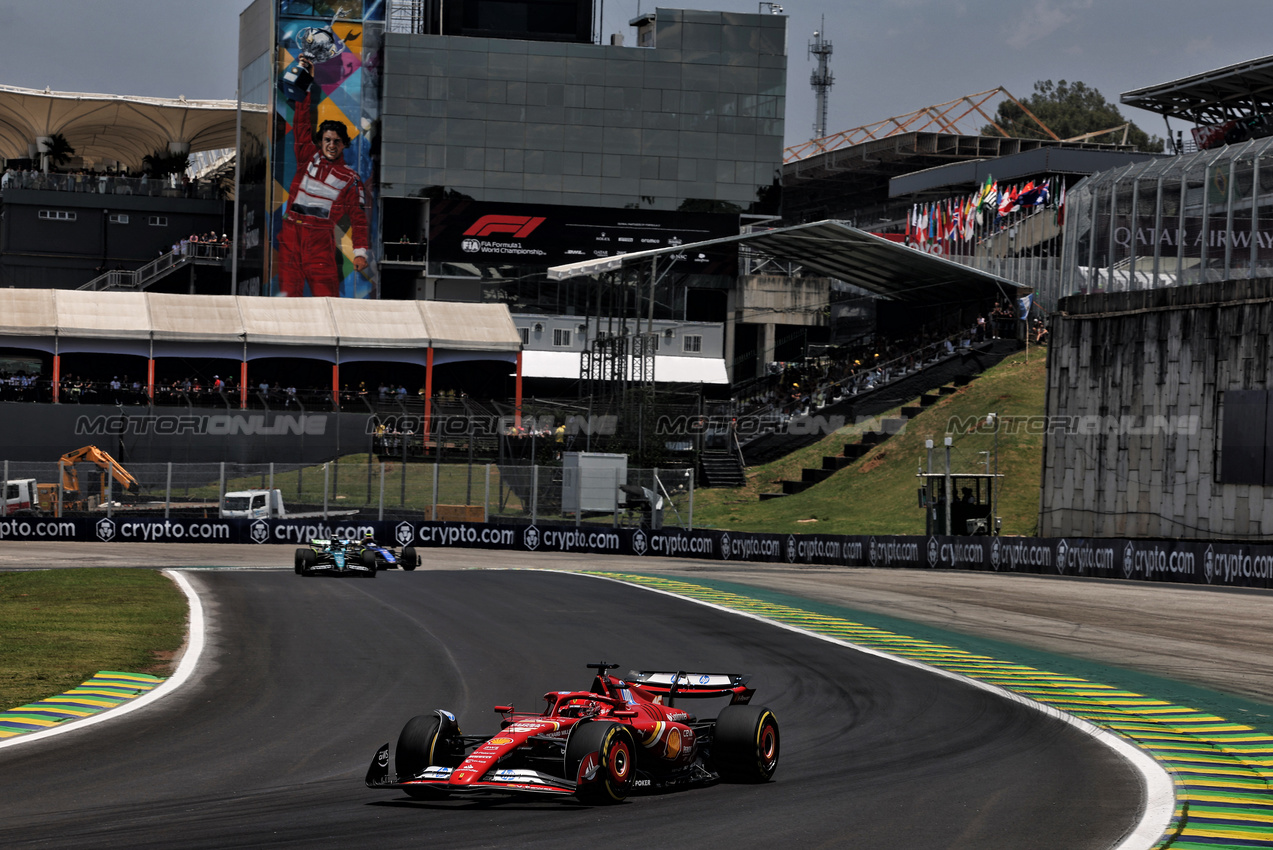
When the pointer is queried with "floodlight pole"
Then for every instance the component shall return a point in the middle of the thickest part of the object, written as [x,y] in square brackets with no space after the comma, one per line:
[947,488]
[993,419]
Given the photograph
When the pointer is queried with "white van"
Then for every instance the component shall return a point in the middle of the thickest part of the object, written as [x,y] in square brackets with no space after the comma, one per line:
[253,504]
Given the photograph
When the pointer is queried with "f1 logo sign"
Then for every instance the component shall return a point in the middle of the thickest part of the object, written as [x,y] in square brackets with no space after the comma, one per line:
[517,226]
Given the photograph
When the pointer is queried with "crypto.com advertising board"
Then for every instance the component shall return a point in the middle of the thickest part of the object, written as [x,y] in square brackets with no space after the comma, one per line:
[1218,564]
[322,208]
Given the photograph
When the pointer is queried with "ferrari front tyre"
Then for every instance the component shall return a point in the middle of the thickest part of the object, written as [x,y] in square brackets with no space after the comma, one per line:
[601,759]
[305,560]
[746,744]
[428,740]
[410,560]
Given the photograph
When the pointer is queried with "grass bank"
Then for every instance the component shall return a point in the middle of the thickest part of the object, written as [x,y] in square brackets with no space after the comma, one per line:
[59,627]
[878,493]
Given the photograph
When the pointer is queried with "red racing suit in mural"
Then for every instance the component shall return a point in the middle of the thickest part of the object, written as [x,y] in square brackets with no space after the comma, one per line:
[323,192]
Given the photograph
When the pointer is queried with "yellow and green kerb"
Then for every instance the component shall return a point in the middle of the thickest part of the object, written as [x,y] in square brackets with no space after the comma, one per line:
[1221,769]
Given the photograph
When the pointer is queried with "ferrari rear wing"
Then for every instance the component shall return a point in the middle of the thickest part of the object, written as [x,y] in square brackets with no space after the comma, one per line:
[680,683]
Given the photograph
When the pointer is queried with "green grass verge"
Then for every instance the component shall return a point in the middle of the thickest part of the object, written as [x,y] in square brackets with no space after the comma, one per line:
[59,627]
[878,493]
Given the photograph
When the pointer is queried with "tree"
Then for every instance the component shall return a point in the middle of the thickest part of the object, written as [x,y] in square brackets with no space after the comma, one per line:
[1069,110]
[162,162]
[59,150]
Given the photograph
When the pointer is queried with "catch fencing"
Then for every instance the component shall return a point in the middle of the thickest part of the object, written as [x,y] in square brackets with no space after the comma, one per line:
[364,489]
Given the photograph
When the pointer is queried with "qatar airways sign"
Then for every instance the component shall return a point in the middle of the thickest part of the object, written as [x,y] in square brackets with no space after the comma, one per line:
[1172,237]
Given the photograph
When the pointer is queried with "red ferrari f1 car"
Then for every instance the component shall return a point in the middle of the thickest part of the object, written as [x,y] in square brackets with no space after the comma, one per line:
[624,736]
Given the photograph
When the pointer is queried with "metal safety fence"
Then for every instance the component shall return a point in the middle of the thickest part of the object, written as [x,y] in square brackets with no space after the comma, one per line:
[360,487]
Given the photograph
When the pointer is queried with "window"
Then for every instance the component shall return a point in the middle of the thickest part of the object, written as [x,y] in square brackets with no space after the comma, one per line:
[692,343]
[118,218]
[57,215]
[524,333]
[561,337]
[1244,448]
[157,220]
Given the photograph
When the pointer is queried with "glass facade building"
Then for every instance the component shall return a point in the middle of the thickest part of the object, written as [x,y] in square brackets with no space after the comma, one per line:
[1170,221]
[694,122]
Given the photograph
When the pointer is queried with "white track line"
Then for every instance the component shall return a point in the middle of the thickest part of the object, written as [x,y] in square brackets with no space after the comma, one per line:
[189,659]
[1160,794]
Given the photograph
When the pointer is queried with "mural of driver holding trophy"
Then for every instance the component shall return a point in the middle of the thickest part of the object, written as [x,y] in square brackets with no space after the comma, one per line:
[324,192]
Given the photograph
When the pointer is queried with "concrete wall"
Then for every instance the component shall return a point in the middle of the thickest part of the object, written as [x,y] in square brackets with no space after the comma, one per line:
[1135,389]
[32,432]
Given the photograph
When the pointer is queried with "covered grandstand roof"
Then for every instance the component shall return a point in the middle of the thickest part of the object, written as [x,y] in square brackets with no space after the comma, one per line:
[1212,97]
[35,317]
[842,183]
[832,248]
[113,128]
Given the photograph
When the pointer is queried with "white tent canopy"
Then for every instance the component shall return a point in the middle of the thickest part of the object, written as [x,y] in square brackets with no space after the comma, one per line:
[46,318]
[114,128]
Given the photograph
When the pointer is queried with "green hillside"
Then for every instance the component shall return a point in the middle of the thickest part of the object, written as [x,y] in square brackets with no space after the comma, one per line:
[878,493]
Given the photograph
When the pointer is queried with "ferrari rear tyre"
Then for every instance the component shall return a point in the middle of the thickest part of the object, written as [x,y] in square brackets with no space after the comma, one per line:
[410,560]
[601,758]
[305,560]
[427,740]
[746,743]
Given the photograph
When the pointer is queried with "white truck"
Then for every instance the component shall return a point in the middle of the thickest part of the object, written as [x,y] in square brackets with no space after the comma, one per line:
[20,494]
[253,504]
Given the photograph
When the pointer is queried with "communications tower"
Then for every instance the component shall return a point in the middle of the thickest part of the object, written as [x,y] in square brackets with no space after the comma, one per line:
[822,79]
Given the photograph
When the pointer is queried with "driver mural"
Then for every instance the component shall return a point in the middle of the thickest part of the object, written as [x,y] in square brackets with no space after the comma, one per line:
[323,216]
[324,193]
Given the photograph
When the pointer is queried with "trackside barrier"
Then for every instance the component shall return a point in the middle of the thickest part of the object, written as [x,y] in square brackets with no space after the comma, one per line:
[1221,564]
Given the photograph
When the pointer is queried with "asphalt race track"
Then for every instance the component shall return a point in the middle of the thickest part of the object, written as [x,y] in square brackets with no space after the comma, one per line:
[303,678]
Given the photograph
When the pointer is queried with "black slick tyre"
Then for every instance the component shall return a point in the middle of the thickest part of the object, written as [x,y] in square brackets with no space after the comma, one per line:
[427,740]
[746,744]
[305,560]
[410,560]
[368,559]
[601,758]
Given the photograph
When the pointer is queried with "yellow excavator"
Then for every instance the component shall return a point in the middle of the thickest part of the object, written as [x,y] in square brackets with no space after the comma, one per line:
[73,498]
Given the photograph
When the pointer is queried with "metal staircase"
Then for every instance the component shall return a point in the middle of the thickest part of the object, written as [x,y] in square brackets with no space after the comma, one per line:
[140,279]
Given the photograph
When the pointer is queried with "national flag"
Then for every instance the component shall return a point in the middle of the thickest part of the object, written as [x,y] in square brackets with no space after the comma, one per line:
[1008,201]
